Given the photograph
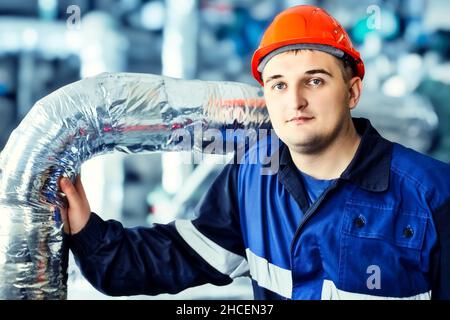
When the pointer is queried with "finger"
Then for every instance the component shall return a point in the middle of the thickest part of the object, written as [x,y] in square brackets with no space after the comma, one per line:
[80,188]
[72,195]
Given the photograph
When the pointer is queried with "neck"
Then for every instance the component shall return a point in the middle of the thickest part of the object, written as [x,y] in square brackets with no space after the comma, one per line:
[330,162]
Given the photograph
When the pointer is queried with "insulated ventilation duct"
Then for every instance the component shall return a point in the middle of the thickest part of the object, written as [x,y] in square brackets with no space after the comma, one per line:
[131,113]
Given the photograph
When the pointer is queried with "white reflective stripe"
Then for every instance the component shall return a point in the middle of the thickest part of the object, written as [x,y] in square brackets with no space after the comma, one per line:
[270,276]
[219,258]
[330,292]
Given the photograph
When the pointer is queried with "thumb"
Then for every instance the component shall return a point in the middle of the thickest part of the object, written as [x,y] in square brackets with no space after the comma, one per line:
[72,195]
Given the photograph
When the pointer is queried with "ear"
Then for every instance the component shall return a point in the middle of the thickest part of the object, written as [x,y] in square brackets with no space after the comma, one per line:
[354,91]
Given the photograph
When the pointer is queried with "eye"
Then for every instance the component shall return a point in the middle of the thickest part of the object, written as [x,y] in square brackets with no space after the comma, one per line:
[279,86]
[315,82]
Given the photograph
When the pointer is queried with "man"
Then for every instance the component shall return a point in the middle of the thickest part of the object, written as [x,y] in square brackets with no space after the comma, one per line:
[349,215]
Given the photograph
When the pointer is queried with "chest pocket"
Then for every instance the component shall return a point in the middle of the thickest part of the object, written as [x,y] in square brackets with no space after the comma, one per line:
[380,250]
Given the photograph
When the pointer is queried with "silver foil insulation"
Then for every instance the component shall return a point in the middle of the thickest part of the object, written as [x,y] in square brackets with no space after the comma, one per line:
[131,113]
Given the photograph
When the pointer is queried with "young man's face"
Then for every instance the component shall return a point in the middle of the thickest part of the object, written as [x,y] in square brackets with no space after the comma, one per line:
[307,99]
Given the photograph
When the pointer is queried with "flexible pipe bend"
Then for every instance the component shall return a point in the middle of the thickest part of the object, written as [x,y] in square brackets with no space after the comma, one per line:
[131,113]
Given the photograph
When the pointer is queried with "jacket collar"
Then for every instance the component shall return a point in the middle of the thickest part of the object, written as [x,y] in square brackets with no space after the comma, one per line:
[370,167]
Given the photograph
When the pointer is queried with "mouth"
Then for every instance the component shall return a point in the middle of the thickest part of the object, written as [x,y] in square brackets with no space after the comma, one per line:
[300,120]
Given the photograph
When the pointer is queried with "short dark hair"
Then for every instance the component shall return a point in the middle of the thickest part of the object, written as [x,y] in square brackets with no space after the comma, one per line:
[348,67]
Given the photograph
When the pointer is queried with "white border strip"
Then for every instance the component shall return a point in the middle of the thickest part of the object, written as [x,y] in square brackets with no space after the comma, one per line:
[330,292]
[270,276]
[219,258]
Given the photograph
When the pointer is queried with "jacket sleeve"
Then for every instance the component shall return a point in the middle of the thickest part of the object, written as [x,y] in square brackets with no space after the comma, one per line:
[166,258]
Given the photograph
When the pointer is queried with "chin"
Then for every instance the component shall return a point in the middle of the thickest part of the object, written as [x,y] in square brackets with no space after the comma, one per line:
[298,144]
[301,139]
[305,145]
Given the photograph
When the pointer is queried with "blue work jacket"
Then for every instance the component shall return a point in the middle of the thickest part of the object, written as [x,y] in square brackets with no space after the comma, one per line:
[379,231]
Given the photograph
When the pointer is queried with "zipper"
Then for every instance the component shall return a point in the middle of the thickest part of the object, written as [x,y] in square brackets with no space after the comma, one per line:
[311,211]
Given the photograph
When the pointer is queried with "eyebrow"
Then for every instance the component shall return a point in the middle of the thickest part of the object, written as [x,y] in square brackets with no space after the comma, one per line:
[273,77]
[323,71]
[309,72]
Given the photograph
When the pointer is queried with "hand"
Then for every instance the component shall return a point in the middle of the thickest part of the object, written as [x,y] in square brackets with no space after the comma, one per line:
[78,212]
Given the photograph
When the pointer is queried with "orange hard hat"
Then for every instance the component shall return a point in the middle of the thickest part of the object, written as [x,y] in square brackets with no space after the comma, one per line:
[304,27]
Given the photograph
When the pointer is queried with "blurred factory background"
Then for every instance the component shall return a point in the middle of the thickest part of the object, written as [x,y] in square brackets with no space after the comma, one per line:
[46,44]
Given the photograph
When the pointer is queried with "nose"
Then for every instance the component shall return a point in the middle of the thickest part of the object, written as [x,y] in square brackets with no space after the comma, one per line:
[297,100]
